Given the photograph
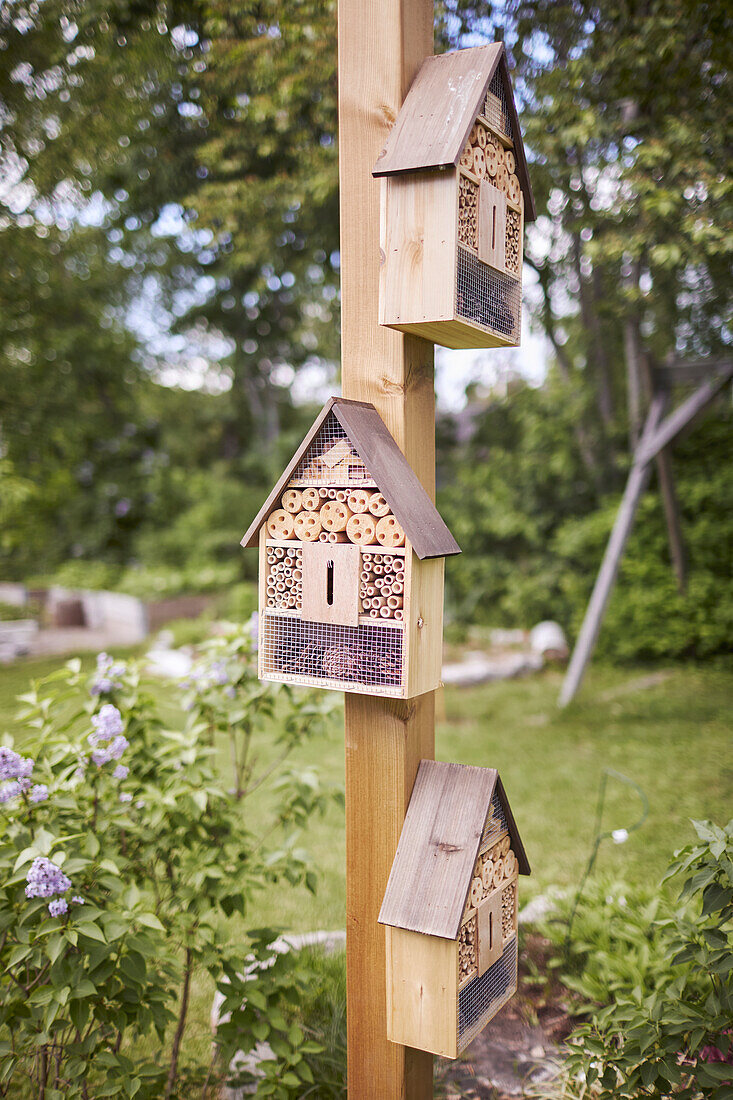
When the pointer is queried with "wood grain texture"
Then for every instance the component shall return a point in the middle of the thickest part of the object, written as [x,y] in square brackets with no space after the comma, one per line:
[344,608]
[433,867]
[381,46]
[439,111]
[422,991]
[455,334]
[423,624]
[442,105]
[419,216]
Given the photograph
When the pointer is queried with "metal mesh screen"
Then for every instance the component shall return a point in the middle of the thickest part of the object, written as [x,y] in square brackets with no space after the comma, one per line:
[331,460]
[496,824]
[482,997]
[495,107]
[331,656]
[487,298]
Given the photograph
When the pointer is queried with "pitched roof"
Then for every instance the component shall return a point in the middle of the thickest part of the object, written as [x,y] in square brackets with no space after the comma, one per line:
[441,107]
[439,844]
[397,481]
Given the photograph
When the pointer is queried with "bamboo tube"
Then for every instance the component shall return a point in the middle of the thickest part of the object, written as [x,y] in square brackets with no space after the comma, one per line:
[398,616]
[323,493]
[341,496]
[371,590]
[366,558]
[279,552]
[311,500]
[364,575]
[338,536]
[358,500]
[366,604]
[297,574]
[389,532]
[293,501]
[394,602]
[385,612]
[387,560]
[379,601]
[335,516]
[374,613]
[308,526]
[280,524]
[323,537]
[270,601]
[378,505]
[397,588]
[271,590]
[280,586]
[362,529]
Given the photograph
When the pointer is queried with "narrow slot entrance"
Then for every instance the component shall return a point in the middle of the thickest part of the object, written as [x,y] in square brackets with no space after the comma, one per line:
[329,583]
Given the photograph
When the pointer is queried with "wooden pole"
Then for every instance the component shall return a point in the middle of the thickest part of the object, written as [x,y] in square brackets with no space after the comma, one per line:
[381,46]
[635,486]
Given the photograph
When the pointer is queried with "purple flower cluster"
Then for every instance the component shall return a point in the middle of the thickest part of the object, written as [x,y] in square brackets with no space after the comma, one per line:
[106,677]
[58,907]
[38,793]
[107,740]
[15,773]
[45,879]
[13,765]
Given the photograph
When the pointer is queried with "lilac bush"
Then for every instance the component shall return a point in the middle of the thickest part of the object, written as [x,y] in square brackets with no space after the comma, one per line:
[123,857]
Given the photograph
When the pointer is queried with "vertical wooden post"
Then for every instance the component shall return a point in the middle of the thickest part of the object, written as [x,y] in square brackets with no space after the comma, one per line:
[381,46]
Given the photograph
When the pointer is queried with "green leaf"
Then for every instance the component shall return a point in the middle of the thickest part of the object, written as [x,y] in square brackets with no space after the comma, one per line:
[90,930]
[149,920]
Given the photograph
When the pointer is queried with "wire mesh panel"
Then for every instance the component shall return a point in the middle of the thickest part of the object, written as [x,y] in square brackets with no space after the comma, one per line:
[487,298]
[482,997]
[331,460]
[326,655]
[495,107]
[496,824]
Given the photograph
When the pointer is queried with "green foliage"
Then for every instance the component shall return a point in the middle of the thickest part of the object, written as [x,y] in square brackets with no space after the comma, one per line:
[533,532]
[163,859]
[664,976]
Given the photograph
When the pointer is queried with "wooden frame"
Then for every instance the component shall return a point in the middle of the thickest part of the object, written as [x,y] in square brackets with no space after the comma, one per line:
[450,909]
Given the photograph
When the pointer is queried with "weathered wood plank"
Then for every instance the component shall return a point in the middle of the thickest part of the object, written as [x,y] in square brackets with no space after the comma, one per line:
[433,867]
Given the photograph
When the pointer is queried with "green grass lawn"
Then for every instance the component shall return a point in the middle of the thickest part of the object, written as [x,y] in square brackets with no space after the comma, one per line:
[670,732]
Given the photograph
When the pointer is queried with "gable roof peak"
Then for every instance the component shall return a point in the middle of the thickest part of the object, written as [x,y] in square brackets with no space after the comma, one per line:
[396,480]
[440,108]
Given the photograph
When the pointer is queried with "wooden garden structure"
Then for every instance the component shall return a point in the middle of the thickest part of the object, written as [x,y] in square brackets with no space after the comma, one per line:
[654,448]
[450,909]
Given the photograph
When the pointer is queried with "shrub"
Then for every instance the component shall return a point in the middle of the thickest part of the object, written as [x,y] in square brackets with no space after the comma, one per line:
[663,973]
[123,863]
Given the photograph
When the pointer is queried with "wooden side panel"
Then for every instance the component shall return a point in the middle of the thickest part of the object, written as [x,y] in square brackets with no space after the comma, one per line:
[422,991]
[331,572]
[492,225]
[418,220]
[424,624]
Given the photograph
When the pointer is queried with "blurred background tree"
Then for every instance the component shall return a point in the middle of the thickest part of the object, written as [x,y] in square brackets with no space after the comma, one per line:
[169,236]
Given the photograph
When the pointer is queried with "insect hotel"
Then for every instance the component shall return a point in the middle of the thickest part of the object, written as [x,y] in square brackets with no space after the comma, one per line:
[351,563]
[450,909]
[455,196]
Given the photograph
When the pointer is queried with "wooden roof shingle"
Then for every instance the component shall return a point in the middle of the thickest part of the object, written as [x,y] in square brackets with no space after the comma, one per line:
[397,481]
[439,844]
[440,108]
